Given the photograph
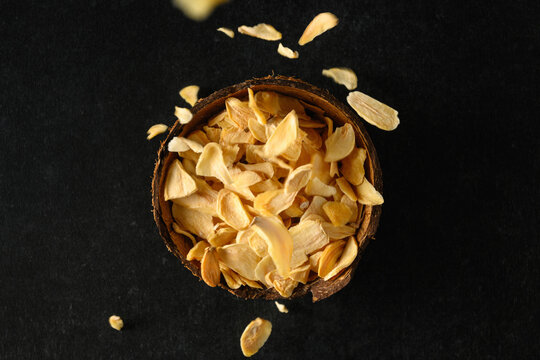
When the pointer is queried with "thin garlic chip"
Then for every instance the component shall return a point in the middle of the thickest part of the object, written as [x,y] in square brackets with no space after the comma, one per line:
[184,115]
[338,232]
[197,251]
[368,195]
[239,112]
[266,185]
[298,178]
[197,10]
[288,53]
[254,336]
[281,308]
[340,143]
[250,283]
[210,272]
[314,261]
[284,286]
[353,166]
[373,111]
[346,188]
[315,208]
[212,133]
[231,278]
[264,267]
[211,163]
[317,26]
[180,144]
[321,169]
[274,201]
[342,76]
[177,229]
[261,168]
[222,237]
[261,118]
[227,31]
[338,213]
[190,94]
[300,274]
[240,258]
[347,257]
[268,101]
[353,206]
[308,236]
[231,210]
[178,183]
[155,130]
[204,200]
[329,257]
[317,187]
[261,31]
[194,221]
[258,244]
[283,137]
[245,179]
[258,131]
[334,171]
[278,239]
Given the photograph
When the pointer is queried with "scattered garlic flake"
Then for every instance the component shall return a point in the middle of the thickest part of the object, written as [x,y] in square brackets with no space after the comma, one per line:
[184,115]
[227,31]
[373,111]
[197,10]
[288,53]
[320,23]
[254,336]
[155,130]
[261,31]
[282,308]
[342,76]
[116,322]
[190,94]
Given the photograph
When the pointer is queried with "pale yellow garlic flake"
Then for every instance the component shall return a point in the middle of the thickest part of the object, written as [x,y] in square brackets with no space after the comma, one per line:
[373,111]
[261,31]
[343,76]
[190,94]
[320,23]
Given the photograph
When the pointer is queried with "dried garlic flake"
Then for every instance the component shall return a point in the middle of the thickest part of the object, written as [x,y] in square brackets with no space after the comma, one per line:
[189,94]
[197,9]
[288,53]
[184,115]
[373,111]
[261,31]
[282,308]
[227,31]
[155,130]
[254,336]
[317,26]
[342,76]
[116,322]
[340,143]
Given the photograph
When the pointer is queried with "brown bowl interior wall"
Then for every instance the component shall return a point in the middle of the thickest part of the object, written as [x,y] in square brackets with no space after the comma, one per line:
[180,245]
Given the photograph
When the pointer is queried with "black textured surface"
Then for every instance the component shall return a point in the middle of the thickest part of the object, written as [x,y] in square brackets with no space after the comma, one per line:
[454,270]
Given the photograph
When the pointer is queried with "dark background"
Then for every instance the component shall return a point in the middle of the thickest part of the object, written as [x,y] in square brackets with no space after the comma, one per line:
[454,271]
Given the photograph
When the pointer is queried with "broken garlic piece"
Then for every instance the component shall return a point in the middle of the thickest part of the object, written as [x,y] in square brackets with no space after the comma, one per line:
[329,257]
[320,24]
[190,94]
[282,308]
[155,130]
[261,31]
[231,210]
[254,336]
[347,257]
[197,252]
[343,76]
[180,144]
[116,322]
[283,137]
[338,213]
[210,272]
[286,52]
[373,111]
[226,31]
